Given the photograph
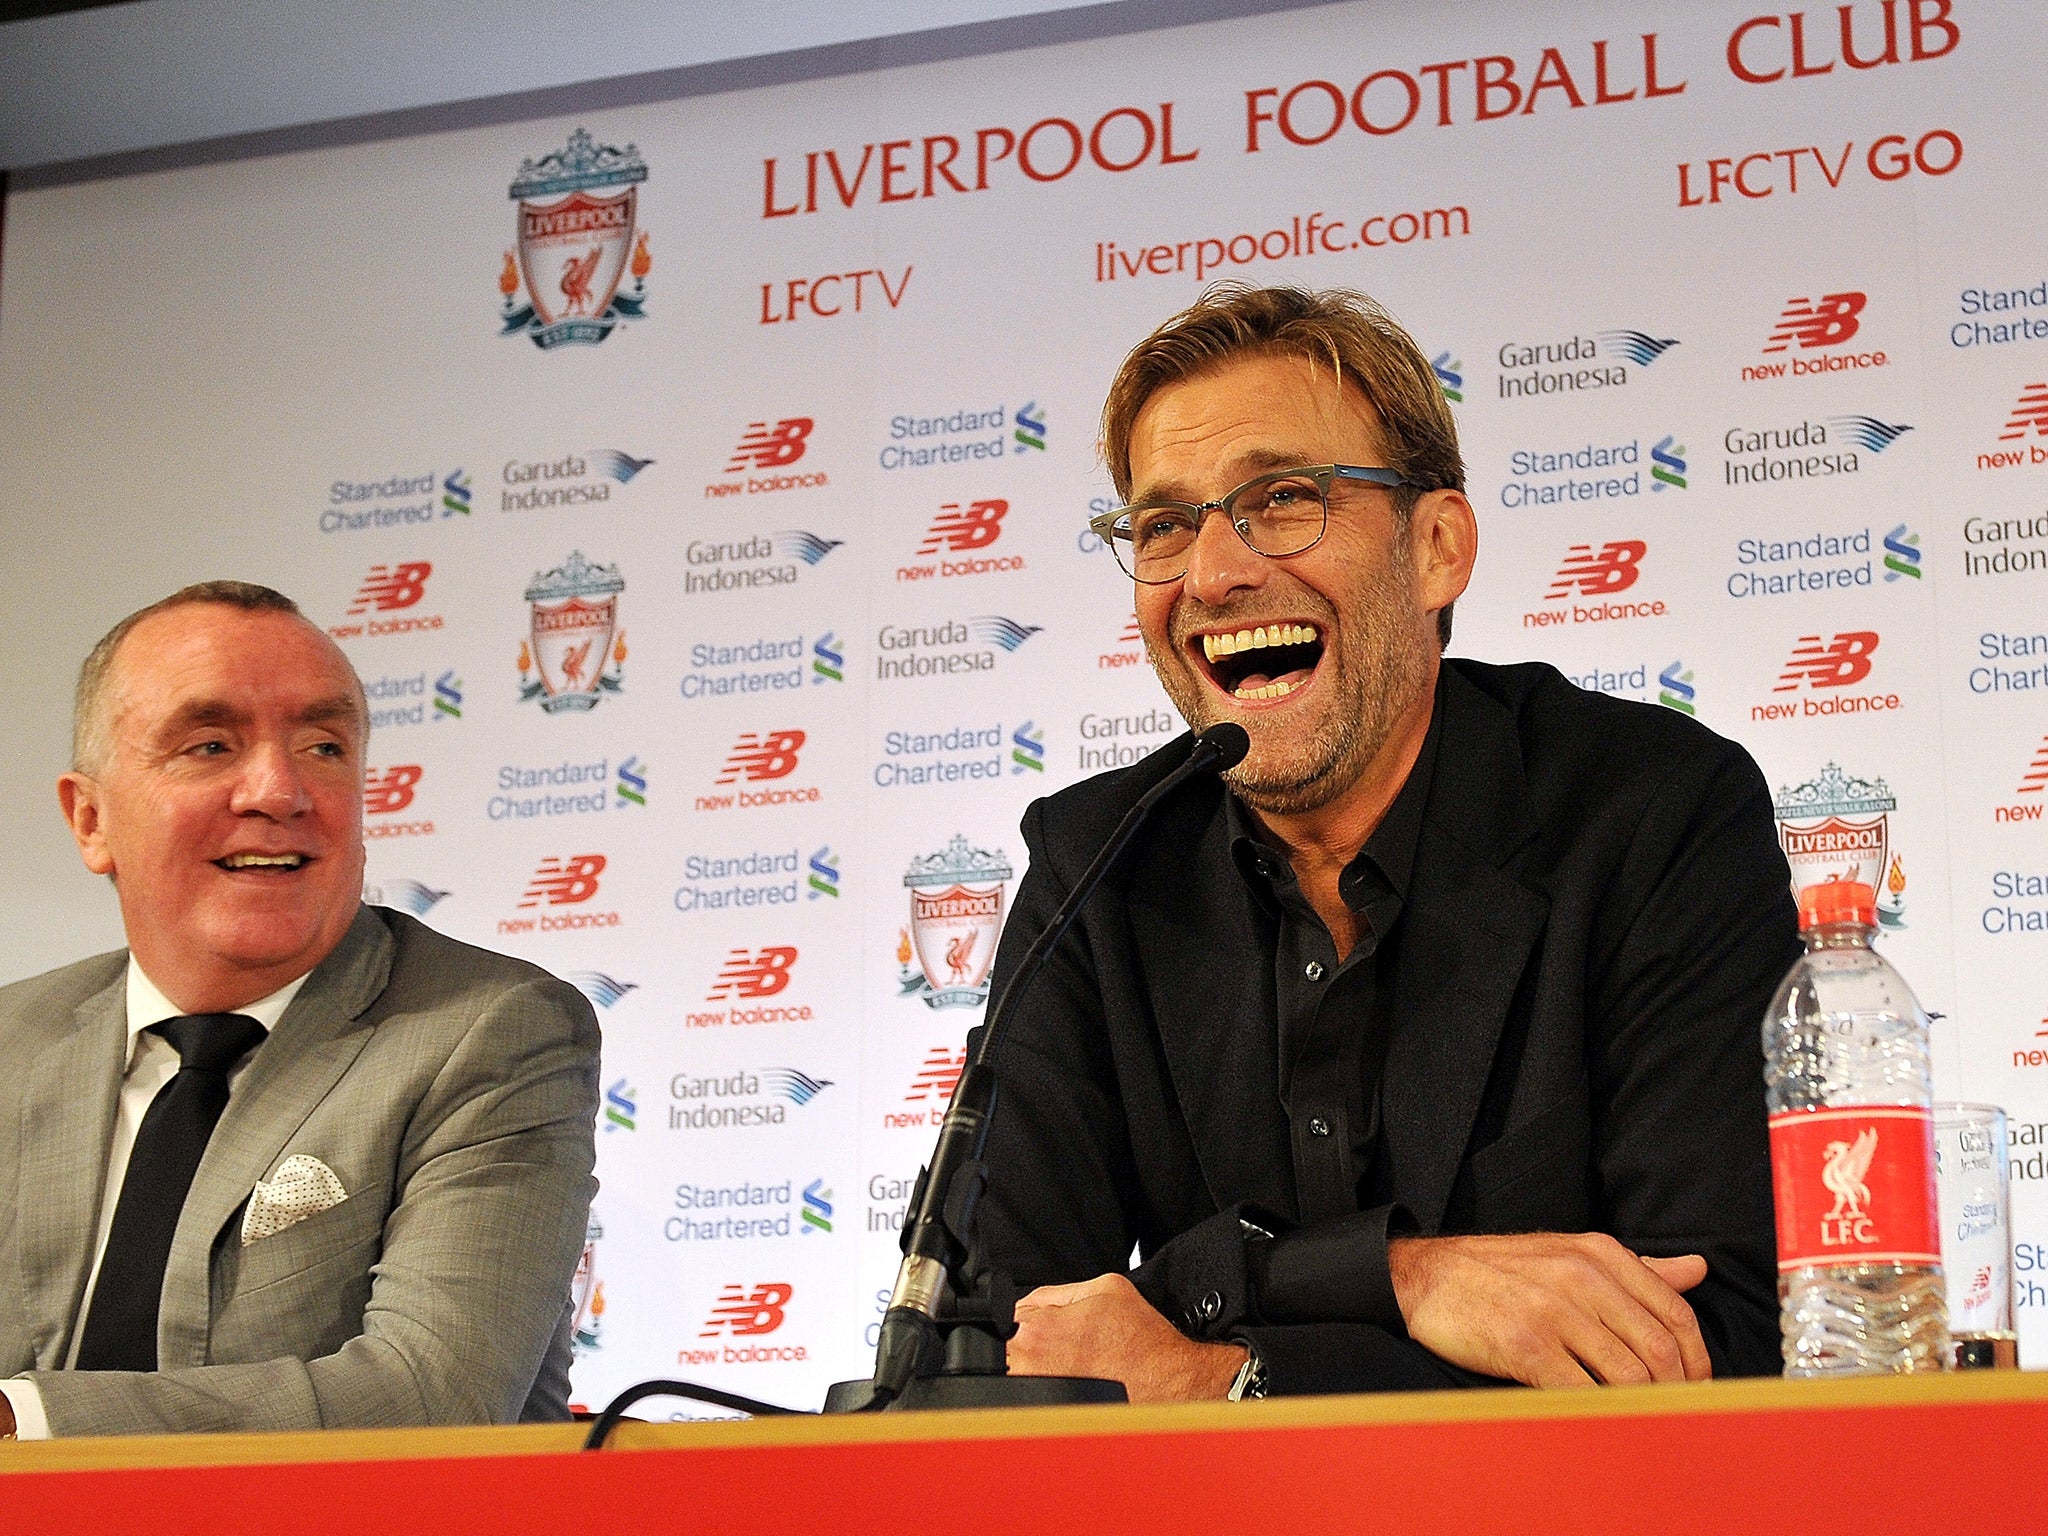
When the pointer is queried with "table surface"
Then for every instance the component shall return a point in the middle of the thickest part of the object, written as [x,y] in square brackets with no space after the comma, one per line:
[1859,1454]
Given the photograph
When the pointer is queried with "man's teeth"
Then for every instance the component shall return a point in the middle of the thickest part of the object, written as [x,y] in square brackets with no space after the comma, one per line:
[264,860]
[1257,639]
[1278,689]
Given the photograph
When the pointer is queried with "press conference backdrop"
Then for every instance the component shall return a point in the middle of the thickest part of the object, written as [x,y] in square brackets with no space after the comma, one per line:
[701,491]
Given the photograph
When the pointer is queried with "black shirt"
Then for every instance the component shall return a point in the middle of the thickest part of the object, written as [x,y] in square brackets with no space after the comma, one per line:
[1334,1018]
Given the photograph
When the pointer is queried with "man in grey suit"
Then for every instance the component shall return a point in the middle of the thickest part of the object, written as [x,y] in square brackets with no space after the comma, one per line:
[286,1161]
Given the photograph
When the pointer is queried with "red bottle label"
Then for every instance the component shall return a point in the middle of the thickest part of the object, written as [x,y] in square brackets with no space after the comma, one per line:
[1854,1186]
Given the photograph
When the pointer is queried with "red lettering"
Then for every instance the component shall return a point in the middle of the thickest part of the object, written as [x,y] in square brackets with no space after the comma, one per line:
[1651,89]
[1894,166]
[1144,151]
[1601,95]
[1166,154]
[1074,142]
[1336,99]
[981,154]
[892,168]
[1736,65]
[1954,144]
[934,167]
[1358,102]
[1443,74]
[1492,81]
[1800,70]
[1551,75]
[1932,16]
[1253,116]
[768,208]
[1835,176]
[1891,38]
[848,194]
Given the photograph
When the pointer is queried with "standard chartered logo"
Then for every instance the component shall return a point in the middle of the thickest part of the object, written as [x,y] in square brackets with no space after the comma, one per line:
[724,1212]
[1667,464]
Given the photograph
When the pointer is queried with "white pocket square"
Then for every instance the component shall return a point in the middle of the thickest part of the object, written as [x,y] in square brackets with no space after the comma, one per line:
[302,1186]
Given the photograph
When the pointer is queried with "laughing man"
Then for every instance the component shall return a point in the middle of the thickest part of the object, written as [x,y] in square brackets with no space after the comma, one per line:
[1422,1049]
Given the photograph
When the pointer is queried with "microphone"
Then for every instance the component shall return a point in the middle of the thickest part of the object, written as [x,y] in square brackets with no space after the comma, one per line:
[935,1242]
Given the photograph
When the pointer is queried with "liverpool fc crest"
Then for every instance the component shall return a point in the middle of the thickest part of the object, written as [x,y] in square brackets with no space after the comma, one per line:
[574,651]
[956,916]
[576,224]
[1838,828]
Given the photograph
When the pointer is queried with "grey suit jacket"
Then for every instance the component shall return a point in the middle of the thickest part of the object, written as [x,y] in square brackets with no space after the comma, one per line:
[452,1090]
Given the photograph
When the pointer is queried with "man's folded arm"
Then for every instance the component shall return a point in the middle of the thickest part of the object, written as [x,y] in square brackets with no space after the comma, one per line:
[1317,1303]
[477,1254]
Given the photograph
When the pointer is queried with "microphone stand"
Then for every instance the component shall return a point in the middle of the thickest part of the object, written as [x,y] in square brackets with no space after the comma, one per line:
[943,1338]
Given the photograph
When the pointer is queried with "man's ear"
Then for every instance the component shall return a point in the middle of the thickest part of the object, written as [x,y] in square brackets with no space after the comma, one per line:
[1443,534]
[79,795]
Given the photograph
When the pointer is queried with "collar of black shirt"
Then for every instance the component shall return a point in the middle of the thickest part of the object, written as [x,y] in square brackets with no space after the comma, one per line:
[1384,864]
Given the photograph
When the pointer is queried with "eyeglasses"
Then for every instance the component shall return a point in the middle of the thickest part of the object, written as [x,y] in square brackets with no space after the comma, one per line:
[1278,514]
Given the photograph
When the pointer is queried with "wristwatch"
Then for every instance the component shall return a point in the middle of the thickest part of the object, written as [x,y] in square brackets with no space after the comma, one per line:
[1251,1376]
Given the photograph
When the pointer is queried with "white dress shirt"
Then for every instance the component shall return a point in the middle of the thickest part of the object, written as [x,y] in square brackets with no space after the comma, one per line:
[152,1062]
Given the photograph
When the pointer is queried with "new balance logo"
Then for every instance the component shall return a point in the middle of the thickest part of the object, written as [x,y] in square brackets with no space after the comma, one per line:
[390,790]
[1828,322]
[563,882]
[2029,415]
[958,528]
[938,1076]
[747,973]
[2036,776]
[766,447]
[755,758]
[1587,572]
[744,1312]
[1832,663]
[389,587]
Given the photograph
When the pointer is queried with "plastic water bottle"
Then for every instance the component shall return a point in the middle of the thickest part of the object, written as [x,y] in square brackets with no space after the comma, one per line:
[1849,1090]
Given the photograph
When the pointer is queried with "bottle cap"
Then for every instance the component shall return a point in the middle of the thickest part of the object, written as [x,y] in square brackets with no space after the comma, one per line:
[1837,901]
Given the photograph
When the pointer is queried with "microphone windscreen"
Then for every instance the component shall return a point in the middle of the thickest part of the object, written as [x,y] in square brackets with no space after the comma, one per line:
[1227,740]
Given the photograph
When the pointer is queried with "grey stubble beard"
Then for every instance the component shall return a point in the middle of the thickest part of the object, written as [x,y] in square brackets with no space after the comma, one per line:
[1378,671]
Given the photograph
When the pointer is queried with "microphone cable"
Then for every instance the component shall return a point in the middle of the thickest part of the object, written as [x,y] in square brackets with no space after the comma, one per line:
[615,1410]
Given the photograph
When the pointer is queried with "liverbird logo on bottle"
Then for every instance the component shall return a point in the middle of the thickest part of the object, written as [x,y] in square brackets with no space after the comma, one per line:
[1843,1172]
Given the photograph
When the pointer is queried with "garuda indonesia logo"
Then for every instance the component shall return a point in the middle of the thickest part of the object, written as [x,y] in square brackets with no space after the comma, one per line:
[956,916]
[574,651]
[576,244]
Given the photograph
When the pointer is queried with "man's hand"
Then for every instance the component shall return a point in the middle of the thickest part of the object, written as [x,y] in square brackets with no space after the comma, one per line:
[6,1415]
[1551,1309]
[1104,1328]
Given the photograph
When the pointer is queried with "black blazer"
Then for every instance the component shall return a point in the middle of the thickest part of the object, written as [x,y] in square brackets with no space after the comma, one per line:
[1598,915]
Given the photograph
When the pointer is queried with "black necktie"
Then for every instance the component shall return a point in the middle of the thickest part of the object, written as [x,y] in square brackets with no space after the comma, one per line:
[120,1330]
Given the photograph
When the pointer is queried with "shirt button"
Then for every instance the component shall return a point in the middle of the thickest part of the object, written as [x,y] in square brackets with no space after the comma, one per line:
[1319,1126]
[1313,970]
[1210,1306]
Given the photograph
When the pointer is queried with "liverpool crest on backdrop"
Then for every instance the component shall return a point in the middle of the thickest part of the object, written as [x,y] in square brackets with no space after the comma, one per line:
[577,243]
